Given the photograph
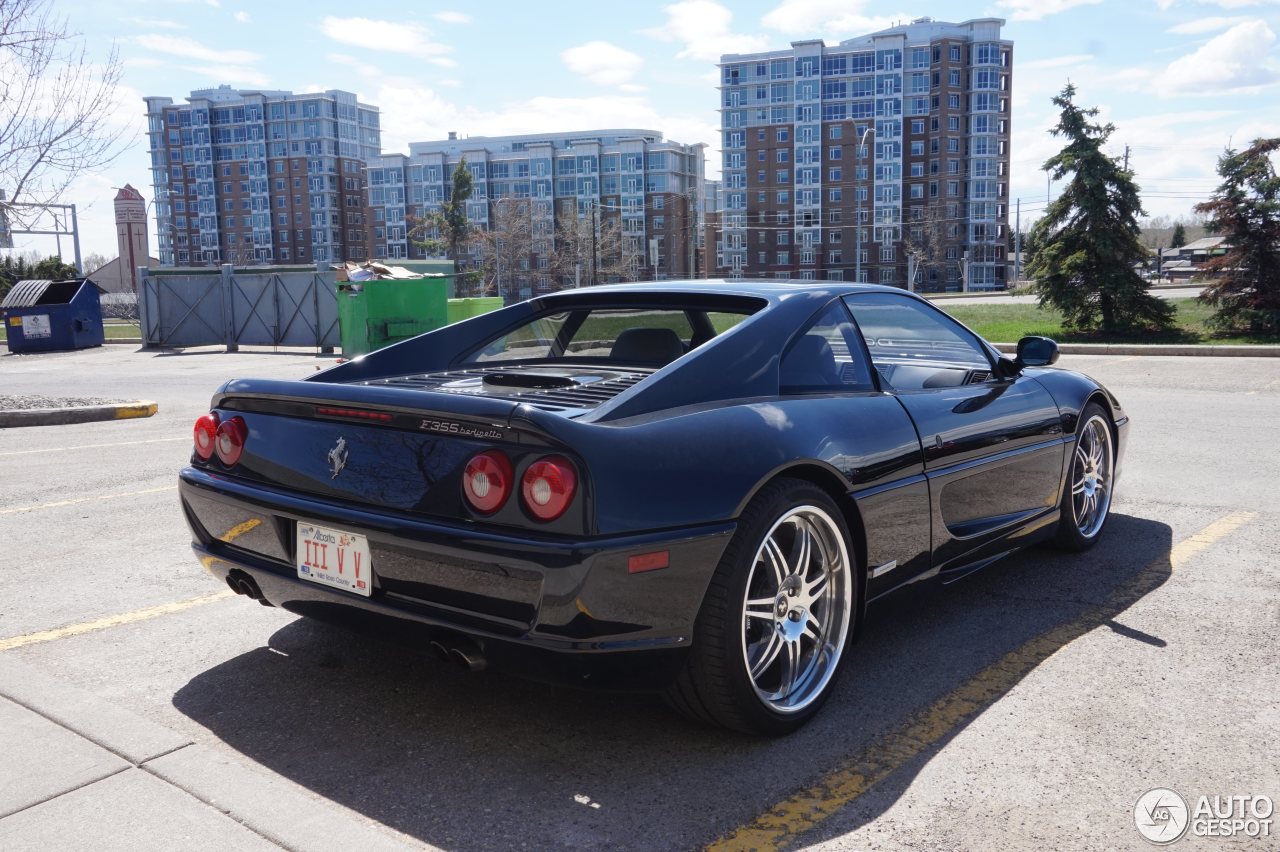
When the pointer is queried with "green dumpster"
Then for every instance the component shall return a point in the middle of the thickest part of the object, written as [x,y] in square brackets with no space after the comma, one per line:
[460,309]
[377,313]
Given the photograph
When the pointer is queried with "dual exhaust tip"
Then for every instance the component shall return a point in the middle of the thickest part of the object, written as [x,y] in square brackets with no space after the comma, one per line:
[461,652]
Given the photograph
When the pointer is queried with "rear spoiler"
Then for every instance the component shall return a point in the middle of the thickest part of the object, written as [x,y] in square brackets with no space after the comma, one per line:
[422,410]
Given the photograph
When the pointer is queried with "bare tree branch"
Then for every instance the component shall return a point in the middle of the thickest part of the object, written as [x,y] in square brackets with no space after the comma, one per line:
[57,107]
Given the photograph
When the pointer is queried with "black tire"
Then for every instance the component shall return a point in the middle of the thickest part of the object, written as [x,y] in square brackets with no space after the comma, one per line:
[716,685]
[1078,531]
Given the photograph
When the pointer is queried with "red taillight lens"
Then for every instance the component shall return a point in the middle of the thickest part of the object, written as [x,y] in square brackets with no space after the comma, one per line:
[206,433]
[548,487]
[230,440]
[487,481]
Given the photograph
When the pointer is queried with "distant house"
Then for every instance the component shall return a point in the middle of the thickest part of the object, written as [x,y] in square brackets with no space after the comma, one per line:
[1187,262]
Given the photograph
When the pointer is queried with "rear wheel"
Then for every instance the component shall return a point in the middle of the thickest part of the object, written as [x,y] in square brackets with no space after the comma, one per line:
[1086,498]
[777,616]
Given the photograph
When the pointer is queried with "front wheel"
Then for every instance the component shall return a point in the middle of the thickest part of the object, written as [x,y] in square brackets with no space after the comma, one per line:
[1086,498]
[776,618]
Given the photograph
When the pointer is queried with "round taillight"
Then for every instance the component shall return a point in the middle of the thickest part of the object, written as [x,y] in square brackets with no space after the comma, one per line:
[487,481]
[548,486]
[230,440]
[206,433]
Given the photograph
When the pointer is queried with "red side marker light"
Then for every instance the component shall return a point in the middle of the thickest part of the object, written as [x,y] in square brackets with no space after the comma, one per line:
[642,562]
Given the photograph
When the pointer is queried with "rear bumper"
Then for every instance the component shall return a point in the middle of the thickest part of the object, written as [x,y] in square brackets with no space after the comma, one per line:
[547,607]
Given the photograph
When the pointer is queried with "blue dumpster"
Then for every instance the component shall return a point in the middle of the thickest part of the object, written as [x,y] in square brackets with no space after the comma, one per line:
[48,316]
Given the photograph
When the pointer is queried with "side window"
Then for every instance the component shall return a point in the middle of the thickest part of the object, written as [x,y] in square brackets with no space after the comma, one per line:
[914,345]
[826,357]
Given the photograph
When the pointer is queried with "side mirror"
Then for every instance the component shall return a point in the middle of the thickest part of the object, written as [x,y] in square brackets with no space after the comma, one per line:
[1036,352]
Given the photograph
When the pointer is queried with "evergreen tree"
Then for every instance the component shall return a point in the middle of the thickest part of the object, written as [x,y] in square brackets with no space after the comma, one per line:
[53,269]
[446,231]
[1086,267]
[1245,209]
[1179,238]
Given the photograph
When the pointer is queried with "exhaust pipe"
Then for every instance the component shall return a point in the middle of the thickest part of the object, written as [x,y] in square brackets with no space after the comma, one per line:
[469,657]
[440,650]
[243,584]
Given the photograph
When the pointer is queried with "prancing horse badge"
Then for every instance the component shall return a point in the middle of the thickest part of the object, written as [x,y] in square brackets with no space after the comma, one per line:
[338,457]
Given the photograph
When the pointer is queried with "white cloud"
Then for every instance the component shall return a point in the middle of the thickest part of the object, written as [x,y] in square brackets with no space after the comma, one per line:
[1238,59]
[703,27]
[1166,5]
[1200,26]
[448,17]
[1034,10]
[234,75]
[242,17]
[1056,61]
[602,63]
[156,24]
[189,48]
[832,18]
[386,36]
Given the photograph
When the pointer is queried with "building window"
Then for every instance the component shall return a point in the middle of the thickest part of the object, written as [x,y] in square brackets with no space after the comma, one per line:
[784,257]
[955,53]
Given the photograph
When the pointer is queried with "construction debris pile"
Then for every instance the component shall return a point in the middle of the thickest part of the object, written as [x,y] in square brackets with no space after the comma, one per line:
[372,270]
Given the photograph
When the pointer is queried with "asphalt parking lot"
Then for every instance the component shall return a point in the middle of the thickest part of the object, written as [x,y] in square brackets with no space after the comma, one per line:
[1029,705]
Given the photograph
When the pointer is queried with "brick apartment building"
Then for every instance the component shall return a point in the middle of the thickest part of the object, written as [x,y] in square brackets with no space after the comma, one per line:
[884,158]
[258,177]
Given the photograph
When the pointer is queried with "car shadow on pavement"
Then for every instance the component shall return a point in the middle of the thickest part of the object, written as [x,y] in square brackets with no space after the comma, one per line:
[478,761]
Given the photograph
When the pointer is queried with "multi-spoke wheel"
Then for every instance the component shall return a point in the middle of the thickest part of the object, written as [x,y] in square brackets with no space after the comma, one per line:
[776,618]
[1086,500]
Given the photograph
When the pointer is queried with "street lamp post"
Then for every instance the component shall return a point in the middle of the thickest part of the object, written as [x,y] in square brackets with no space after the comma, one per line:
[857,234]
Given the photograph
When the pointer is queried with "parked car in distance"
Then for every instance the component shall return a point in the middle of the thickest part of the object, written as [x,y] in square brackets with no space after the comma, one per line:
[692,487]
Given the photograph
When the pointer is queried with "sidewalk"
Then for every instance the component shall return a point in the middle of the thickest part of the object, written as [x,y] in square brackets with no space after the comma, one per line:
[80,773]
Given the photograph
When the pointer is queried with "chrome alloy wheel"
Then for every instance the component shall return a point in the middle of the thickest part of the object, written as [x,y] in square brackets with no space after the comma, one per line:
[796,611]
[1091,474]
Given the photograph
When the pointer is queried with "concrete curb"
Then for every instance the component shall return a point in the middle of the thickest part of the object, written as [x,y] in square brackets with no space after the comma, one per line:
[79,414]
[1242,351]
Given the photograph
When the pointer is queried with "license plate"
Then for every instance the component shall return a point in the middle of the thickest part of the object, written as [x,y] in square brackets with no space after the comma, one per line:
[334,558]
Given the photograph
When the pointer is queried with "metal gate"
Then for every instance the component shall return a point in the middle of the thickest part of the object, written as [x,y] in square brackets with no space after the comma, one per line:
[226,307]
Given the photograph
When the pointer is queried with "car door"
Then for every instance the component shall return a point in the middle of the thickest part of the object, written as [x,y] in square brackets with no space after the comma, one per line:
[993,447]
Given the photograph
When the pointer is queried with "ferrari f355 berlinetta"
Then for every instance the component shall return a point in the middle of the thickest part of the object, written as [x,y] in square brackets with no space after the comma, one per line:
[692,487]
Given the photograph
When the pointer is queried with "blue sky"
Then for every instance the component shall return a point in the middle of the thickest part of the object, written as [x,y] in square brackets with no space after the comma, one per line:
[1180,79]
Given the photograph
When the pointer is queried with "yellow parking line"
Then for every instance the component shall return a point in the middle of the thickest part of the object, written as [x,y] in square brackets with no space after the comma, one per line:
[811,806]
[110,621]
[93,446]
[17,509]
[137,615]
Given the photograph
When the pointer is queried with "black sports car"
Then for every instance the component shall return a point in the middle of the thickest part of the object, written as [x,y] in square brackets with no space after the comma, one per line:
[694,487]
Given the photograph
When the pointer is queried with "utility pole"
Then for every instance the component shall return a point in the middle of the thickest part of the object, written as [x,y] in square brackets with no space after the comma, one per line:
[1017,246]
[1126,158]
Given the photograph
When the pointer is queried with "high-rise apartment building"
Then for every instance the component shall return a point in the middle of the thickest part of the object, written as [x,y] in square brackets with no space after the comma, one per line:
[884,158]
[252,177]
[628,183]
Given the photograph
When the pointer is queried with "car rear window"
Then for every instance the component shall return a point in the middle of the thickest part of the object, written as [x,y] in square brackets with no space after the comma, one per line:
[646,336]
